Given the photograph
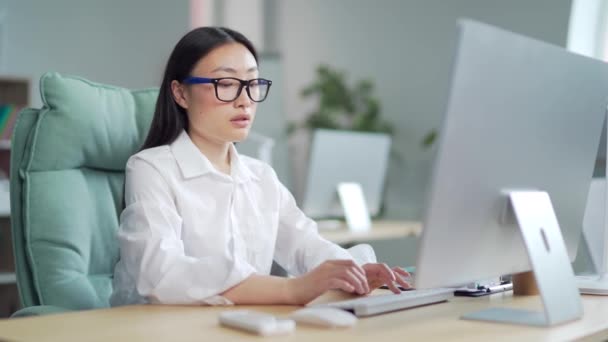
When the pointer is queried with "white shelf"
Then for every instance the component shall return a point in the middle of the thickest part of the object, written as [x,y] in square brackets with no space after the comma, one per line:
[7,278]
[5,144]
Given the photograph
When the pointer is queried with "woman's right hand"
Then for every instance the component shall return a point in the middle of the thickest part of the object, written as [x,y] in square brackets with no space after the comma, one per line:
[344,275]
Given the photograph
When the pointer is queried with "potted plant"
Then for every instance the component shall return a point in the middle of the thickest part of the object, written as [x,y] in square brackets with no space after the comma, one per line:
[345,113]
[340,106]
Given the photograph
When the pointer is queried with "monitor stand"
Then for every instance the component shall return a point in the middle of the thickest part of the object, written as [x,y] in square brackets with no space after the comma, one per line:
[354,206]
[594,234]
[533,213]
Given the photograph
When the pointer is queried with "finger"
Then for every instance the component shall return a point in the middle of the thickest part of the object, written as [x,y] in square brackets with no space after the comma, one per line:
[386,273]
[403,283]
[393,287]
[389,278]
[347,262]
[382,273]
[401,276]
[340,284]
[364,281]
[402,272]
[352,279]
[362,278]
[358,270]
[371,270]
[348,276]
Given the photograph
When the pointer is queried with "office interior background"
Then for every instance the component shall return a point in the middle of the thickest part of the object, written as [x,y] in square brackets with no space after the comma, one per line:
[404,47]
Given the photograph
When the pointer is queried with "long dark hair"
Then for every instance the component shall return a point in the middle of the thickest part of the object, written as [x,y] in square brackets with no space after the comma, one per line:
[170,119]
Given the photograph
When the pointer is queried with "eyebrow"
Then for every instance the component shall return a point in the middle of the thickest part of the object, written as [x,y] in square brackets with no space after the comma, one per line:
[231,70]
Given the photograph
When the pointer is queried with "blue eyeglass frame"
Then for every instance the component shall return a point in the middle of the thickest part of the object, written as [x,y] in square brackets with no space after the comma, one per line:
[215,81]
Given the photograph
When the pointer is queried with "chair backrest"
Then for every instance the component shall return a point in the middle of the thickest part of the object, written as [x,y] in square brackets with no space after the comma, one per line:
[67,183]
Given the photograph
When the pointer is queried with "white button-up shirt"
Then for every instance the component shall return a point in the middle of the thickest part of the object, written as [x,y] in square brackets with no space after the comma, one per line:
[189,232]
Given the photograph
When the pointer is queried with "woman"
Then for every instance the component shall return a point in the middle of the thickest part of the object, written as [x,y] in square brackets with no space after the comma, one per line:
[202,223]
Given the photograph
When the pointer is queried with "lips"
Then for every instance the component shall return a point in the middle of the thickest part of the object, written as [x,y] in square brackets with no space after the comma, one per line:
[240,118]
[241,121]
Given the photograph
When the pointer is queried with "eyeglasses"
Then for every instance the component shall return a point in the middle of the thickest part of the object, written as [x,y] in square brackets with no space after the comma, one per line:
[228,89]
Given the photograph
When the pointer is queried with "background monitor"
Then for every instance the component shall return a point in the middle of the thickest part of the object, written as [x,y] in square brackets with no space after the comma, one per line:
[522,114]
[345,156]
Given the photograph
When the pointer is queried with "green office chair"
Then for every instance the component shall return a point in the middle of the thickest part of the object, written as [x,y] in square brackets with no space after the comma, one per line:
[67,180]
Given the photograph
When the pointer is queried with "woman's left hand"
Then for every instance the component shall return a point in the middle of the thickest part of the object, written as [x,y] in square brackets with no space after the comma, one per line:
[380,274]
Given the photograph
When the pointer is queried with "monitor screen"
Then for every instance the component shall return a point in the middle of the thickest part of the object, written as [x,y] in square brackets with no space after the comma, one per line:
[345,156]
[522,115]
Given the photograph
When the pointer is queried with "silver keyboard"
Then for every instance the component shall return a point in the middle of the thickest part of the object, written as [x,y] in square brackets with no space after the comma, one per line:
[373,305]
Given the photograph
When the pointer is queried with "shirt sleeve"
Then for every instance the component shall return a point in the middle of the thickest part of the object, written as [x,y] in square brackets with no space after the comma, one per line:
[152,250]
[299,247]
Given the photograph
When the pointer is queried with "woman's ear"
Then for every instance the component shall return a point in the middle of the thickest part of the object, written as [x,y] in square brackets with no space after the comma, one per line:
[179,94]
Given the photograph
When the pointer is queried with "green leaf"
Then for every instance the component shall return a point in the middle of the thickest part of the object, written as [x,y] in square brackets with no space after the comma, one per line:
[429,139]
[342,106]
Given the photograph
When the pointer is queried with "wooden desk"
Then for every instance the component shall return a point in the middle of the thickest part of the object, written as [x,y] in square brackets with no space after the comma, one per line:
[187,323]
[381,230]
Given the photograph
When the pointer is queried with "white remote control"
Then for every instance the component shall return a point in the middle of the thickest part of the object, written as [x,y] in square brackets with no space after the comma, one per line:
[257,322]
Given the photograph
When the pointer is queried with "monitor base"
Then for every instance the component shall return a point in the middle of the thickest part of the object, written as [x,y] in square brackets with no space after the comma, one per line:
[593,284]
[510,316]
[532,212]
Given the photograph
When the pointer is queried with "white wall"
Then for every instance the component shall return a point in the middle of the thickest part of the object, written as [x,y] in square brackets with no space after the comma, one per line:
[406,47]
[121,42]
[246,17]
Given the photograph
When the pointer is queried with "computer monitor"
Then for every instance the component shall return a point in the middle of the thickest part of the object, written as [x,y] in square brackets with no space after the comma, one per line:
[345,156]
[595,236]
[522,115]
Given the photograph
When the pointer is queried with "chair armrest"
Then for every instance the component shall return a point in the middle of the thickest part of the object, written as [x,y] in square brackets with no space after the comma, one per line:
[39,310]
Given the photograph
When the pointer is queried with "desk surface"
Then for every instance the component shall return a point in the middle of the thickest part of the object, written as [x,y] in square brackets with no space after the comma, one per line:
[188,323]
[381,230]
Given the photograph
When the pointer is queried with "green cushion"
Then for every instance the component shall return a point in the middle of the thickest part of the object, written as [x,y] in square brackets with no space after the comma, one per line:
[25,121]
[70,188]
[38,310]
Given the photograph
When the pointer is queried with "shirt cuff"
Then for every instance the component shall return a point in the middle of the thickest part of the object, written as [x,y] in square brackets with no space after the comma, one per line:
[218,300]
[363,254]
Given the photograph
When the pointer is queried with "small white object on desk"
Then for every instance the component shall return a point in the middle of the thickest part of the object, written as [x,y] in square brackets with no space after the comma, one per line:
[7,278]
[5,144]
[324,317]
[5,204]
[256,322]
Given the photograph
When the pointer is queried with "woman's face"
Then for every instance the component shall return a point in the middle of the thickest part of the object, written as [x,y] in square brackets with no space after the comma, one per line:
[210,118]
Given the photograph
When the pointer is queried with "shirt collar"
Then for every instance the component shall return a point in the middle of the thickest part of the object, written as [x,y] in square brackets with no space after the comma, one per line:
[238,169]
[193,163]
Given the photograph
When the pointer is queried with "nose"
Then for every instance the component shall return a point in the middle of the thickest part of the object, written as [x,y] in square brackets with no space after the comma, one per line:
[243,99]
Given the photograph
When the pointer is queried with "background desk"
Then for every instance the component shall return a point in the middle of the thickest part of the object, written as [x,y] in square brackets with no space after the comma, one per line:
[395,242]
[183,323]
[381,230]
